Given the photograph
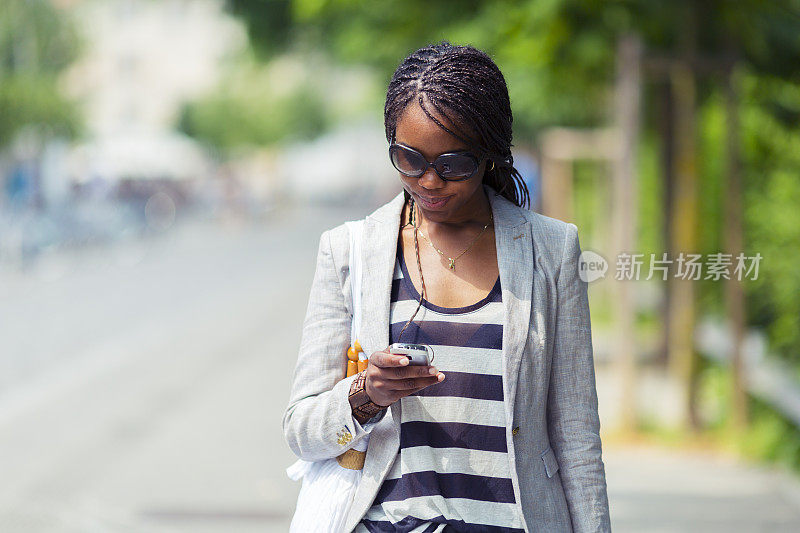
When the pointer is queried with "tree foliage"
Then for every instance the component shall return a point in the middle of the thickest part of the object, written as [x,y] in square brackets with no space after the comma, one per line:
[36,43]
[558,55]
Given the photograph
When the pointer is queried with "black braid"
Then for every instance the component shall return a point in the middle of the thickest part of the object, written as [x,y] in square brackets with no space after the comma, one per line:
[465,86]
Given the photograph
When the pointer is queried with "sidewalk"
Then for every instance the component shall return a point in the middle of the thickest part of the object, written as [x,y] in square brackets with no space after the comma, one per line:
[659,490]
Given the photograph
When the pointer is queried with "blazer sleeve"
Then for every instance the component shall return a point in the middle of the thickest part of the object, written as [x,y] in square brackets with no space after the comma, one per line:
[573,420]
[318,422]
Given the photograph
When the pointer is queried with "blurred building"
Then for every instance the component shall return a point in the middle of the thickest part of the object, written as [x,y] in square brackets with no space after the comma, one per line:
[142,61]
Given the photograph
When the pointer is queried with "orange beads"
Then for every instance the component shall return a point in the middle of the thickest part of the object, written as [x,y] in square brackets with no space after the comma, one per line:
[352,354]
[354,363]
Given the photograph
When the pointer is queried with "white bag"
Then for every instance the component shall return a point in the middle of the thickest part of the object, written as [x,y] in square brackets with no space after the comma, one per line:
[328,488]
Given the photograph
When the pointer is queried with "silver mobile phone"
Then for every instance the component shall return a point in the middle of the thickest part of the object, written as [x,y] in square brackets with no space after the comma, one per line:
[417,353]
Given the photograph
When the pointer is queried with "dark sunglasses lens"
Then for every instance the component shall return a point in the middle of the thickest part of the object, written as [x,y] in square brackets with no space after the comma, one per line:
[408,162]
[455,166]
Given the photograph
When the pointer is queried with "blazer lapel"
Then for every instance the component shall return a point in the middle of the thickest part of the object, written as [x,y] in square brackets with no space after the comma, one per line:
[379,251]
[381,232]
[515,262]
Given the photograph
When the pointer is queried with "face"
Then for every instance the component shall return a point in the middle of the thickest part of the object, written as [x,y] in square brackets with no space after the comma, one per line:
[439,200]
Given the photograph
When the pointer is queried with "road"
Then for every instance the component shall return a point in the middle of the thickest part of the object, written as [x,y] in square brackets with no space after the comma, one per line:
[142,389]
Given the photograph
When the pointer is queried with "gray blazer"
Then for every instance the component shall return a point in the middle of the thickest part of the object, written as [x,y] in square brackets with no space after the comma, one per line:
[552,423]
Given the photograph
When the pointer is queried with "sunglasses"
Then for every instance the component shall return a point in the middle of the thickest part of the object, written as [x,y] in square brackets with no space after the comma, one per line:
[454,166]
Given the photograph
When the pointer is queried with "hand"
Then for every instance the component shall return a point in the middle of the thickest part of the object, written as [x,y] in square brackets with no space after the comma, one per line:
[390,377]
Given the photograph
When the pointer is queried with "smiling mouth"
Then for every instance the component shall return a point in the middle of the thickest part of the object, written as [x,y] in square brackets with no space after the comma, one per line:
[434,202]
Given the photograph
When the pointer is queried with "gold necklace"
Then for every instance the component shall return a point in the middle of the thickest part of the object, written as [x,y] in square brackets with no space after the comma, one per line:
[452,260]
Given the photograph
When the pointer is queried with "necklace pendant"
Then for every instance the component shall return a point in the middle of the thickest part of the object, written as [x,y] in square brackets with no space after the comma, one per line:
[452,263]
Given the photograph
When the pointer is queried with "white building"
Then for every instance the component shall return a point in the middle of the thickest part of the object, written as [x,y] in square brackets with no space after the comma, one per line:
[143,60]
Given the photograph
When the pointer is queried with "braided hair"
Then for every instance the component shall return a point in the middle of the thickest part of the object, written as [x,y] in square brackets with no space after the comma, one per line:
[466,87]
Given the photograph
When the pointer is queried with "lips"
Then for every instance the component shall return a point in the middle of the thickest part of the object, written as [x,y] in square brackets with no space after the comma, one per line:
[434,202]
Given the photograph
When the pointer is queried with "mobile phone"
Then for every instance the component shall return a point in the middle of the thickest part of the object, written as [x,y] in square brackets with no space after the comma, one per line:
[417,353]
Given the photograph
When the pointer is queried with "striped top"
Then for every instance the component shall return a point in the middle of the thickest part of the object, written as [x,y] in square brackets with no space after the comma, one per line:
[452,471]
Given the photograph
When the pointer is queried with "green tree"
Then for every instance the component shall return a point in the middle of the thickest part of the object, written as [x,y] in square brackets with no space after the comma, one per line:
[36,43]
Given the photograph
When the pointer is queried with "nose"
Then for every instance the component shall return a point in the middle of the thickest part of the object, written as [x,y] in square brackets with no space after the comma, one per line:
[431,180]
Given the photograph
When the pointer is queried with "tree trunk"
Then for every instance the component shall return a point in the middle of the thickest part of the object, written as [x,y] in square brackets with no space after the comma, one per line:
[733,244]
[667,149]
[629,53]
[556,187]
[683,360]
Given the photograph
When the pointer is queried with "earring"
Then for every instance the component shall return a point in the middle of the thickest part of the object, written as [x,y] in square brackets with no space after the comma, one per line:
[491,167]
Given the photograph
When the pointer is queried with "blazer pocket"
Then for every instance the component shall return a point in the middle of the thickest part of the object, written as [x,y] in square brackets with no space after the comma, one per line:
[550,462]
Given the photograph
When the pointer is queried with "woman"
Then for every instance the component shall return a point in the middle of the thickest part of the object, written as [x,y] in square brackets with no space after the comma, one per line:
[501,432]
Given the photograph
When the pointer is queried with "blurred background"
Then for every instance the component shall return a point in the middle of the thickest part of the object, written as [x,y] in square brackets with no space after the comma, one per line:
[167,167]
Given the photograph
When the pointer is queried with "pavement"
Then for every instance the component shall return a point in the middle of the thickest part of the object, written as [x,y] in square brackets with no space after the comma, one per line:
[662,490]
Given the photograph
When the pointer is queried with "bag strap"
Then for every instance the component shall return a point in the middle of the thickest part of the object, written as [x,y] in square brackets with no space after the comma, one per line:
[356,229]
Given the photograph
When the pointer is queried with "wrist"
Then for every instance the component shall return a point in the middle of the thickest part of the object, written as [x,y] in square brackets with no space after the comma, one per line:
[360,403]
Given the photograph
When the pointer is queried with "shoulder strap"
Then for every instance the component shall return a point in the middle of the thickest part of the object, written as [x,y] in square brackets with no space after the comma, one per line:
[356,228]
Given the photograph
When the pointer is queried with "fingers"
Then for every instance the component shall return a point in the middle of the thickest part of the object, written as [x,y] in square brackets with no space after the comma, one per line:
[411,371]
[387,392]
[418,378]
[390,377]
[396,366]
[413,384]
[384,359]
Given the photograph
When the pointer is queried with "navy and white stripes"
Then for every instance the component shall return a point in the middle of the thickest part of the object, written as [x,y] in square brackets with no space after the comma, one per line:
[452,471]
